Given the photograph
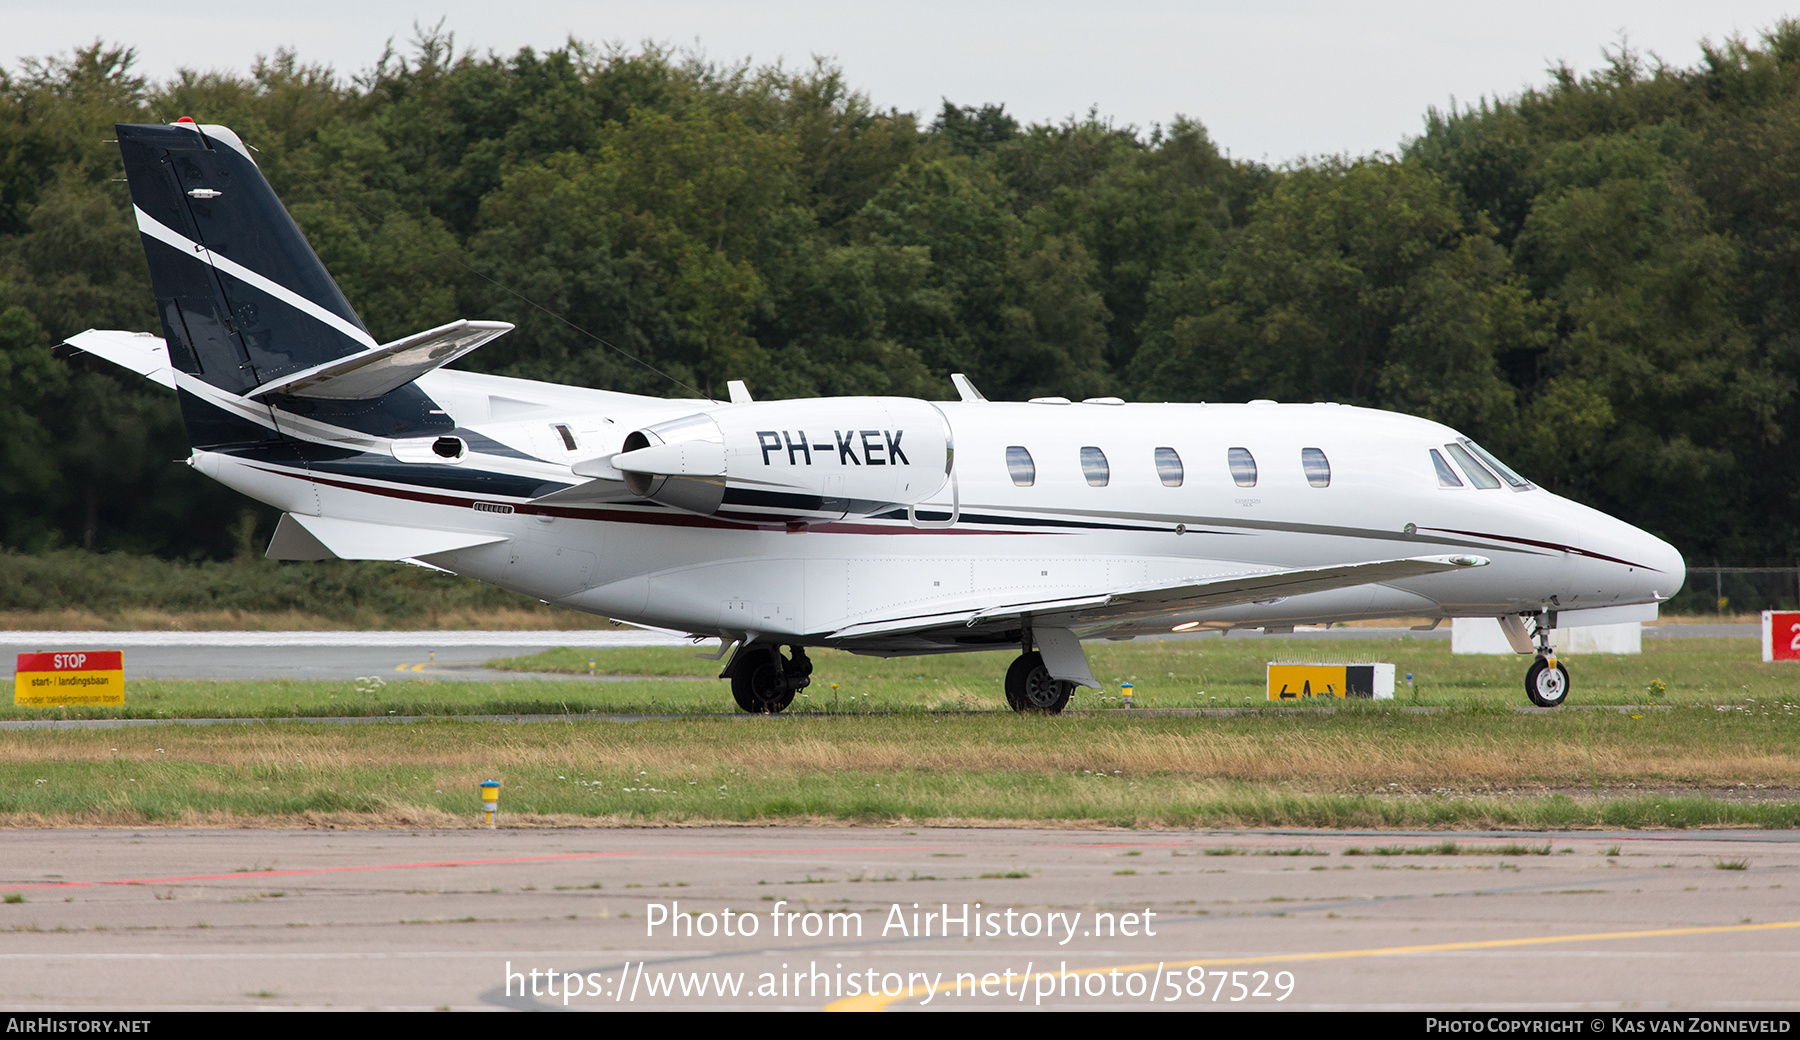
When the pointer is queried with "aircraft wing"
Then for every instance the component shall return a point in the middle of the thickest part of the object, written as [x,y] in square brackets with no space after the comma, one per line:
[1188,594]
[1248,588]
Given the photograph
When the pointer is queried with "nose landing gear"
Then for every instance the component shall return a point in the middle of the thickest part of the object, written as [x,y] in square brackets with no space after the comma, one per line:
[763,682]
[1546,681]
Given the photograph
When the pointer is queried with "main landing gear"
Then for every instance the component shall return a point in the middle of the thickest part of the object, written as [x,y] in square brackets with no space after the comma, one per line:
[1031,690]
[763,682]
[1546,681]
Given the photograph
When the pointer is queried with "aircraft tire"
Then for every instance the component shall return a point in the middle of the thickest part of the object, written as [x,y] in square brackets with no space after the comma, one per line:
[1031,691]
[1547,688]
[758,685]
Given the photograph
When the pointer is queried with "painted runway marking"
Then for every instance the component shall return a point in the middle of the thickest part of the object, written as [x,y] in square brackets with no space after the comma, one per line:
[880,1001]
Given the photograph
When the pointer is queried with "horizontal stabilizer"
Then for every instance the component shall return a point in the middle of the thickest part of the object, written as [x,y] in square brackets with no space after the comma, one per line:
[379,372]
[329,538]
[140,352]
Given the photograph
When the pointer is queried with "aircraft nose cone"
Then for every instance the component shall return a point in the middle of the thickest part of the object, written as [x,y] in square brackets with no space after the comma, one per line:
[1624,564]
[1670,568]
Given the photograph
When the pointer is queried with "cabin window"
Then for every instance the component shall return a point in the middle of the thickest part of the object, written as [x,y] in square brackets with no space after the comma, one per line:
[1518,483]
[1168,467]
[1020,466]
[1446,476]
[1317,467]
[1094,467]
[1243,466]
[1478,476]
[567,435]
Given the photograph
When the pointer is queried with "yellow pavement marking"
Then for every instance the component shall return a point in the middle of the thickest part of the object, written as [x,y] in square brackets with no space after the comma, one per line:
[880,1001]
[411,667]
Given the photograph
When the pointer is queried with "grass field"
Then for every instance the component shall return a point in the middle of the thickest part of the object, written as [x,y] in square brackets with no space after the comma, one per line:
[1193,674]
[1216,672]
[1363,769]
[927,740]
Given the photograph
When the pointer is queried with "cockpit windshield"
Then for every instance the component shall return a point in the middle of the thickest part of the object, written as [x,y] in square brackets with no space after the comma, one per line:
[1516,482]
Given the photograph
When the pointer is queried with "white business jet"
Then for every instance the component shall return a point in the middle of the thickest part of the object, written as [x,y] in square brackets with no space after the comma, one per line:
[878,525]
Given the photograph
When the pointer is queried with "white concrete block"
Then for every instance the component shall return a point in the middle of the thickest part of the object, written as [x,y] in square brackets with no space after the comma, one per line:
[1478,635]
[1625,638]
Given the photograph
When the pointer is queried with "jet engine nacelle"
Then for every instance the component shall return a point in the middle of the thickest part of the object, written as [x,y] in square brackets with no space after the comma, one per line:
[807,461]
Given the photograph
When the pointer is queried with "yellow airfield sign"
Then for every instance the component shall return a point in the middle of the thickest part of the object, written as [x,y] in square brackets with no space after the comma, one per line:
[1297,682]
[71,677]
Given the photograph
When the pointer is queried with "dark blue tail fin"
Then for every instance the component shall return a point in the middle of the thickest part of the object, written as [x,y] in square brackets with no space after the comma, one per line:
[243,298]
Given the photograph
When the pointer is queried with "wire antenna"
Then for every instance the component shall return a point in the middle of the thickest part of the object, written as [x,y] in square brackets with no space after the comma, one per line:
[503,287]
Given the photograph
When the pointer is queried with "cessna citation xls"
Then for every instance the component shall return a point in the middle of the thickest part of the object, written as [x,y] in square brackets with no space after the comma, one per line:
[878,525]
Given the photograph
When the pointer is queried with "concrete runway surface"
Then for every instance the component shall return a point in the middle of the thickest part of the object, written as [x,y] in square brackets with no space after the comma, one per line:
[445,655]
[1173,920]
[459,656]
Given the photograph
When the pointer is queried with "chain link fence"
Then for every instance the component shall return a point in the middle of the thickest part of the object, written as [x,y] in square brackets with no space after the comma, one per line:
[1736,590]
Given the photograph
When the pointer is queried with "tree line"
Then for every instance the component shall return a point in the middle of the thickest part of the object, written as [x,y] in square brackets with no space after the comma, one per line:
[1598,278]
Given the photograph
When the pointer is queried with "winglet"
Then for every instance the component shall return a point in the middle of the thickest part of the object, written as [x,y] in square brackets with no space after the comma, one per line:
[740,394]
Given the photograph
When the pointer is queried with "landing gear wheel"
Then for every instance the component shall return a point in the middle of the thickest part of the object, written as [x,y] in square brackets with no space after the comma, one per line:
[1546,686]
[764,682]
[1030,689]
[758,683]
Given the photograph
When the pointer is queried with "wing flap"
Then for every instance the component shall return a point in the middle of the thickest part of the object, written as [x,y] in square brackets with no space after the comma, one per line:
[378,372]
[1184,595]
[1231,590]
[963,619]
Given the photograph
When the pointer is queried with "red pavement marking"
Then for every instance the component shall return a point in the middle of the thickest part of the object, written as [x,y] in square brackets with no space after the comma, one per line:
[249,874]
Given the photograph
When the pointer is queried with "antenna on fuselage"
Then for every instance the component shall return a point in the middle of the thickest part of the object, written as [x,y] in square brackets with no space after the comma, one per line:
[966,390]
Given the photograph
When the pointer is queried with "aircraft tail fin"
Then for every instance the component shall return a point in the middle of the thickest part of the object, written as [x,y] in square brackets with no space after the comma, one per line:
[242,296]
[248,308]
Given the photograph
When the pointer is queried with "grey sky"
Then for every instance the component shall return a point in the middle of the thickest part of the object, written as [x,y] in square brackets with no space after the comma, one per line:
[1274,80]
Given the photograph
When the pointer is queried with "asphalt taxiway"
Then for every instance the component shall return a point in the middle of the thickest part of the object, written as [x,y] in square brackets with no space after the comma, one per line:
[450,655]
[1037,919]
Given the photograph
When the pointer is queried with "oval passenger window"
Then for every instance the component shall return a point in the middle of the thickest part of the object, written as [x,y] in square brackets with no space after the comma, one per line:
[1019,466]
[1094,467]
[1317,467]
[1243,466]
[1168,467]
